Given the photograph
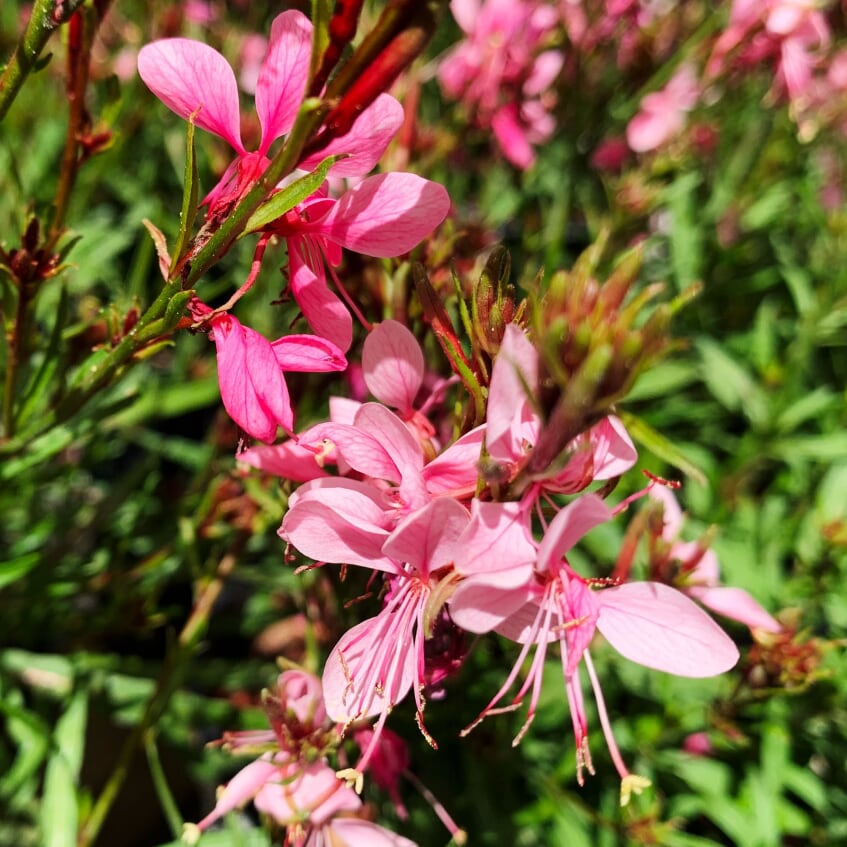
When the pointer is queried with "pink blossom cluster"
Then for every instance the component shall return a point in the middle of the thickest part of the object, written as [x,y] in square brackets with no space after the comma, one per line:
[292,782]
[503,71]
[420,517]
[382,215]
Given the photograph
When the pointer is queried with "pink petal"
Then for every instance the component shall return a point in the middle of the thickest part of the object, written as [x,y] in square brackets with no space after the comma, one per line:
[363,451]
[308,353]
[324,311]
[288,460]
[498,540]
[355,832]
[388,430]
[387,214]
[252,384]
[393,365]
[282,78]
[671,512]
[241,788]
[565,530]
[478,606]
[511,135]
[736,604]
[454,471]
[187,75]
[614,452]
[363,656]
[659,627]
[366,141]
[427,539]
[466,13]
[513,378]
[347,532]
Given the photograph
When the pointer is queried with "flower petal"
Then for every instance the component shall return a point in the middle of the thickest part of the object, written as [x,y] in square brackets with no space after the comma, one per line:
[366,141]
[324,311]
[659,627]
[387,214]
[252,384]
[308,353]
[282,79]
[188,75]
[393,365]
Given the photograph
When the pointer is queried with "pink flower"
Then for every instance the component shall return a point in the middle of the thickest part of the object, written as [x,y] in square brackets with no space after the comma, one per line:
[503,73]
[662,113]
[378,661]
[383,216]
[191,77]
[534,597]
[251,373]
[699,575]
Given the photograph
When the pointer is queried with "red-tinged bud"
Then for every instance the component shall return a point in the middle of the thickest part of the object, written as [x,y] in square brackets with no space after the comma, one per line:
[342,29]
[786,659]
[493,304]
[399,37]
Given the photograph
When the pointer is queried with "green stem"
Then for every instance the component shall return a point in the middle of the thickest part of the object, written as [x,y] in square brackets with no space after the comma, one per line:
[309,118]
[175,663]
[46,16]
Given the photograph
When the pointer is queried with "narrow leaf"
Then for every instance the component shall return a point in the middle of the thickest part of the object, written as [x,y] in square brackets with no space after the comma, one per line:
[188,212]
[287,198]
[660,446]
[59,810]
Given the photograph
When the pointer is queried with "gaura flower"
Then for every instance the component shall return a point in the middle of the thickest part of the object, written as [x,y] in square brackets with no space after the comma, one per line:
[191,78]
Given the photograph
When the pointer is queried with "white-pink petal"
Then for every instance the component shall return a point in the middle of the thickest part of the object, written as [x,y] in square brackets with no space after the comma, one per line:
[428,538]
[356,832]
[393,365]
[565,530]
[308,353]
[737,604]
[659,627]
[188,75]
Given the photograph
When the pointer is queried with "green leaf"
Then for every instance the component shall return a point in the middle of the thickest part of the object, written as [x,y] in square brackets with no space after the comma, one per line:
[12,570]
[660,446]
[188,212]
[287,198]
[731,384]
[686,230]
[59,809]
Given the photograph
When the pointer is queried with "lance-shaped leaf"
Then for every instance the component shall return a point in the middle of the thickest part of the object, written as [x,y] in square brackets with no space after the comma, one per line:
[287,198]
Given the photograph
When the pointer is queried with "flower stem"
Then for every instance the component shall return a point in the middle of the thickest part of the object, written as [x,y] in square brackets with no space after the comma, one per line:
[46,16]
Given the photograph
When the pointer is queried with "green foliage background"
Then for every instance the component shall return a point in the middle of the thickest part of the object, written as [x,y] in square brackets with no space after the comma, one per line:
[114,521]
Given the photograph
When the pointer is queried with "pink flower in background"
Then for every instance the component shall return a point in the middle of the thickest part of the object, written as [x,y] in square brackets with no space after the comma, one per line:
[191,77]
[699,576]
[503,73]
[534,597]
[661,115]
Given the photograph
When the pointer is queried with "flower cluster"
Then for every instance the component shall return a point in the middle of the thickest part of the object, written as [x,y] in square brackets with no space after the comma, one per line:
[460,531]
[450,558]
[382,216]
